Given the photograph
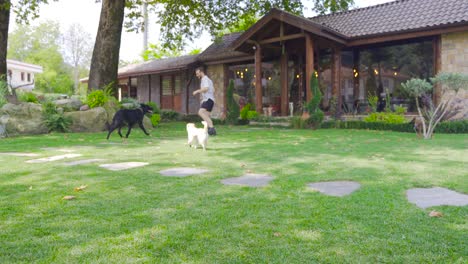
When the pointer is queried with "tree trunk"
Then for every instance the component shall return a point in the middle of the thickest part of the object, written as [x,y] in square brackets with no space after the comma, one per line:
[105,60]
[4,23]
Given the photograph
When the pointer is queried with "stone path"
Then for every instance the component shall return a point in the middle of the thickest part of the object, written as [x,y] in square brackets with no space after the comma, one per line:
[123,165]
[427,197]
[182,172]
[250,179]
[82,162]
[19,154]
[59,149]
[54,158]
[335,188]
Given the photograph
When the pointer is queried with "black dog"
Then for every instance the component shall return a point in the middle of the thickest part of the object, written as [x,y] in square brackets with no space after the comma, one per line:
[129,117]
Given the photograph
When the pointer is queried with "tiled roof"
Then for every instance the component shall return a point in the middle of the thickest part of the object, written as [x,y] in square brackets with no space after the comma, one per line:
[161,65]
[397,16]
[220,49]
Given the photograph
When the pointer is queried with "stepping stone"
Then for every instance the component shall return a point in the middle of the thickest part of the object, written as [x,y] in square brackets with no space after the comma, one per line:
[54,158]
[59,149]
[249,179]
[81,162]
[123,165]
[335,188]
[428,197]
[182,172]
[19,154]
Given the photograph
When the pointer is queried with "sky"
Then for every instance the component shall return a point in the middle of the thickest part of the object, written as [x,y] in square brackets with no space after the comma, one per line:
[86,13]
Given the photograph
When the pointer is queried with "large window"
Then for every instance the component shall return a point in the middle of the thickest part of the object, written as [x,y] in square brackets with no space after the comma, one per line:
[381,70]
[243,76]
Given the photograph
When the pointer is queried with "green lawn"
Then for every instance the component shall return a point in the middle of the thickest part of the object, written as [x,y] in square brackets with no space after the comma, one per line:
[139,216]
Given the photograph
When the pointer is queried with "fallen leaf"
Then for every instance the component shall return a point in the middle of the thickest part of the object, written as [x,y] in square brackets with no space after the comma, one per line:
[69,197]
[248,171]
[277,234]
[435,214]
[30,187]
[82,187]
[242,165]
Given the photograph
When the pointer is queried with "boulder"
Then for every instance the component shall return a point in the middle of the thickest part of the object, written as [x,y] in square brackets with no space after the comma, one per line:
[93,120]
[147,123]
[24,118]
[72,104]
[84,107]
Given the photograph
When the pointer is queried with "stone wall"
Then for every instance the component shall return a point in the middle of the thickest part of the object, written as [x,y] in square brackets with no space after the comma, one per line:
[216,74]
[454,58]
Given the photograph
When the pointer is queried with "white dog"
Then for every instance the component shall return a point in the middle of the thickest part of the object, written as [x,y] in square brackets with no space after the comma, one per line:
[197,136]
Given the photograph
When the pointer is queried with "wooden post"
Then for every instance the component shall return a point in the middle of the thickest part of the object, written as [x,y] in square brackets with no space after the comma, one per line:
[336,79]
[258,79]
[309,64]
[284,84]
[436,47]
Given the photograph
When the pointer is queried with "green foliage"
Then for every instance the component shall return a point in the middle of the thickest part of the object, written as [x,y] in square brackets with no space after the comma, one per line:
[332,6]
[449,127]
[372,99]
[129,103]
[191,118]
[40,45]
[154,106]
[316,115]
[416,87]
[3,92]
[244,113]
[385,117]
[400,110]
[233,112]
[28,97]
[96,98]
[298,122]
[156,52]
[451,81]
[53,119]
[169,115]
[252,115]
[315,119]
[155,119]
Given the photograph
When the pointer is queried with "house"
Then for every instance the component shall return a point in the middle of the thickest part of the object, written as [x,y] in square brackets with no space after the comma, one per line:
[354,53]
[21,74]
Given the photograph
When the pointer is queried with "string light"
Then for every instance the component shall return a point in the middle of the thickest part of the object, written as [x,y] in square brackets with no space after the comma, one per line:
[297,76]
[376,72]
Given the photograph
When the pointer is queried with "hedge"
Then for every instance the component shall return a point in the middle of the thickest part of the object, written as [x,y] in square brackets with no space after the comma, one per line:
[449,127]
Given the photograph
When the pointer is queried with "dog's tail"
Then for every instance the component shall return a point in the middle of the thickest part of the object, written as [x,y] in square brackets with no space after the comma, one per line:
[205,126]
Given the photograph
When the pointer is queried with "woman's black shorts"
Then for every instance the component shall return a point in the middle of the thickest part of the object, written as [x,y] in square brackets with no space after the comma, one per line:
[208,105]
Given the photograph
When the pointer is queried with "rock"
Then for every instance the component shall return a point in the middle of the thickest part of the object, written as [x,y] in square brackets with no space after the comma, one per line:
[24,118]
[84,107]
[147,123]
[69,104]
[93,120]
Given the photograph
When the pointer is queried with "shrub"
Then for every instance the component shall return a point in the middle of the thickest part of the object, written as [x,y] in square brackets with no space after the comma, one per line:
[53,119]
[389,118]
[155,119]
[28,97]
[96,98]
[245,111]
[315,119]
[298,122]
[373,100]
[252,115]
[232,114]
[400,110]
[155,107]
[3,92]
[129,103]
[169,115]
